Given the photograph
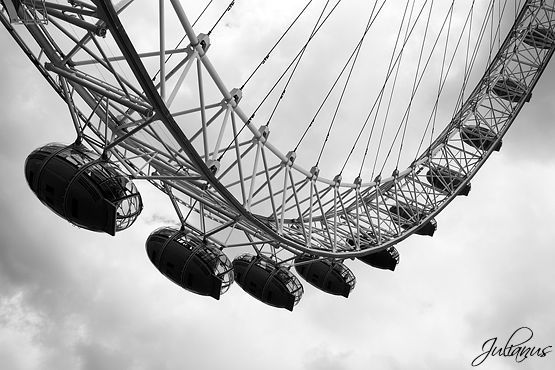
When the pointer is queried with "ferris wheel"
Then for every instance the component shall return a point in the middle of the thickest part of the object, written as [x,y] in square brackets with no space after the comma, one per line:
[352,124]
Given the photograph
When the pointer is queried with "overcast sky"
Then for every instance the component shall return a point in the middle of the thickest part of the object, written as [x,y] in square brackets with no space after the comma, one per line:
[71,299]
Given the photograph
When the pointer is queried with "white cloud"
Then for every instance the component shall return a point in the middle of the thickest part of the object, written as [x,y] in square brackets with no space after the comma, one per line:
[73,299]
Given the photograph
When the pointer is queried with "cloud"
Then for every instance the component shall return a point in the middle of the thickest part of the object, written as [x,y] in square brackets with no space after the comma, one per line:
[100,357]
[71,299]
[323,358]
[528,138]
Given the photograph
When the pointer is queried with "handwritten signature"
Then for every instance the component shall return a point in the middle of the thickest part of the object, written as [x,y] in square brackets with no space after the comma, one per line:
[518,350]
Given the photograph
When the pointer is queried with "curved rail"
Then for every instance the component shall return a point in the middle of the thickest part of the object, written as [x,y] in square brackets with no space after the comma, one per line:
[281,203]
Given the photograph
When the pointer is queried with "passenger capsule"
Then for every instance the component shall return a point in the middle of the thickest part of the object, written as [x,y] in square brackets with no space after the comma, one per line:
[409,217]
[386,259]
[480,137]
[330,277]
[188,261]
[511,91]
[447,180]
[82,188]
[540,38]
[264,280]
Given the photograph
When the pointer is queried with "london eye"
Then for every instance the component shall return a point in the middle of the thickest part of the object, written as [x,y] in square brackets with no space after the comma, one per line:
[353,130]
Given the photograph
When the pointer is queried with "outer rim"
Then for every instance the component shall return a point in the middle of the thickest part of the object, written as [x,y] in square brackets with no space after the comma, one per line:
[385,190]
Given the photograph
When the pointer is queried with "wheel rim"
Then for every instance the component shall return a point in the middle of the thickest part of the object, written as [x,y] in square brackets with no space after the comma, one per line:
[332,211]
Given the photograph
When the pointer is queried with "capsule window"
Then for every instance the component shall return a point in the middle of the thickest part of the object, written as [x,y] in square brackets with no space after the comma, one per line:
[264,275]
[153,256]
[252,287]
[157,239]
[75,207]
[92,191]
[67,172]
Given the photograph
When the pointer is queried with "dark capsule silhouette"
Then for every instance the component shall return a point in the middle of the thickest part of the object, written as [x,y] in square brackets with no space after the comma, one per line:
[188,261]
[386,259]
[366,238]
[480,137]
[510,90]
[408,217]
[330,277]
[540,37]
[82,188]
[447,180]
[264,280]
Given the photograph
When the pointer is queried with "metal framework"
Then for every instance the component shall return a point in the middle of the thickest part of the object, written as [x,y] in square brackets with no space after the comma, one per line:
[174,123]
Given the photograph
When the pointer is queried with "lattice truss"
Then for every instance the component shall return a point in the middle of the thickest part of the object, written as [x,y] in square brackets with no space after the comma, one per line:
[174,123]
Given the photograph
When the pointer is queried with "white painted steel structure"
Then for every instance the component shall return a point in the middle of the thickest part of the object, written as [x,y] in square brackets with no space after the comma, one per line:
[233,185]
